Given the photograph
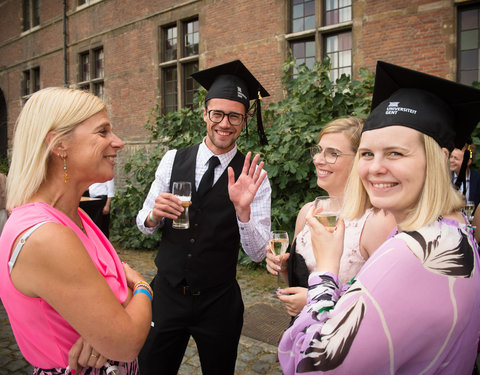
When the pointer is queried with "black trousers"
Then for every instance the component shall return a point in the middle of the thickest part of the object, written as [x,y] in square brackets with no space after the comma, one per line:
[214,319]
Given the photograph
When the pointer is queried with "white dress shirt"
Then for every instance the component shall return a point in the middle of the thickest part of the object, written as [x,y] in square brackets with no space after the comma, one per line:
[254,234]
[102,188]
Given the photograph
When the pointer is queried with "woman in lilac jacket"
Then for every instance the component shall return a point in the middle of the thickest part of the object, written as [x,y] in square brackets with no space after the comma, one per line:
[414,306]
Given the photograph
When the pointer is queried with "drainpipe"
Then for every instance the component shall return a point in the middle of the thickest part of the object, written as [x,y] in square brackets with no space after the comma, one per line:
[65,61]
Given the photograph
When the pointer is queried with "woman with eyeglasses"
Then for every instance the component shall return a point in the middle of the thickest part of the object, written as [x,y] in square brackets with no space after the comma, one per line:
[414,306]
[333,160]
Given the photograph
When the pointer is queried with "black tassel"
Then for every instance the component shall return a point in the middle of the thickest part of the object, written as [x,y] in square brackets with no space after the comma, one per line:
[261,132]
[462,175]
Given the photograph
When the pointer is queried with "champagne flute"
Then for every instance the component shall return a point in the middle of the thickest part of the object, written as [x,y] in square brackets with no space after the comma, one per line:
[278,244]
[469,208]
[330,209]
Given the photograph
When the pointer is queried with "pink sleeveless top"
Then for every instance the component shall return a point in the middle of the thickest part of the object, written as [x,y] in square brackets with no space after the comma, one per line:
[43,336]
[351,261]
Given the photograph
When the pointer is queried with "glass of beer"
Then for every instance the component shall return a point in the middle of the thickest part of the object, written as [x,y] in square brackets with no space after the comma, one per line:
[278,244]
[183,191]
[327,209]
[469,208]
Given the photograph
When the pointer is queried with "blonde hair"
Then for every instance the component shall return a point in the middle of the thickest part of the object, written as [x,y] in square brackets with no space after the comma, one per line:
[437,198]
[350,126]
[51,109]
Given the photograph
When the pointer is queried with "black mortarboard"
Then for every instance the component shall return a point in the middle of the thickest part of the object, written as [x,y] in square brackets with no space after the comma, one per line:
[445,110]
[233,81]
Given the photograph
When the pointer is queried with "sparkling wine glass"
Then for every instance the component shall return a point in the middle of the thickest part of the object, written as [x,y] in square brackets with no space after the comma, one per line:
[469,208]
[278,244]
[330,209]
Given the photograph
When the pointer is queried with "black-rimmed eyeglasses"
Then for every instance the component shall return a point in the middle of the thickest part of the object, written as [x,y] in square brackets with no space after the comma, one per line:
[234,118]
[330,154]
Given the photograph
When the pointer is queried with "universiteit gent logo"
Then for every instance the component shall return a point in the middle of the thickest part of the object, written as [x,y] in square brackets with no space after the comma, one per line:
[393,108]
[240,94]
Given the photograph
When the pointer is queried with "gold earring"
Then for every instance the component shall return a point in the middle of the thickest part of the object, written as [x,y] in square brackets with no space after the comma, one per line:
[65,173]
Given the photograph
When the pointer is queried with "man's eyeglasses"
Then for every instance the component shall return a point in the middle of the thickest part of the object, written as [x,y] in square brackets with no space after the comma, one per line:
[330,154]
[234,118]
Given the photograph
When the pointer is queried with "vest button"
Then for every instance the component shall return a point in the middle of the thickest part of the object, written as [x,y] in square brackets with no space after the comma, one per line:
[192,240]
[189,255]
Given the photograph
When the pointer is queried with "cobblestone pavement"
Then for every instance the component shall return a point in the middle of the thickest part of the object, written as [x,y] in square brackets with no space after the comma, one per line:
[254,357]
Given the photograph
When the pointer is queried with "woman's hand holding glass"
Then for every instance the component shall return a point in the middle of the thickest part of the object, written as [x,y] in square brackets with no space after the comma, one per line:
[276,264]
[327,247]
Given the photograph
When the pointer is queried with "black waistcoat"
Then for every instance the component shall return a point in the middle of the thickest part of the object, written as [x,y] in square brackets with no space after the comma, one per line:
[205,254]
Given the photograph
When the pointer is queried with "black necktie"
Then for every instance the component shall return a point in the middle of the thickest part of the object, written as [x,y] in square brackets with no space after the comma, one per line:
[207,179]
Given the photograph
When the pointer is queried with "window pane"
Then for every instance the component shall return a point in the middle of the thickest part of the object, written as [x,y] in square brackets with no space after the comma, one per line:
[331,4]
[468,43]
[310,8]
[345,14]
[469,19]
[338,49]
[190,84]
[309,23]
[26,14]
[309,61]
[85,67]
[36,79]
[26,82]
[297,11]
[303,15]
[469,60]
[35,13]
[335,12]
[170,44]
[467,77]
[469,39]
[98,90]
[297,25]
[304,53]
[99,62]
[191,39]
[170,90]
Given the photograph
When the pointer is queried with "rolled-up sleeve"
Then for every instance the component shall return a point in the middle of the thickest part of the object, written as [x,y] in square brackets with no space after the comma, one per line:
[255,233]
[161,184]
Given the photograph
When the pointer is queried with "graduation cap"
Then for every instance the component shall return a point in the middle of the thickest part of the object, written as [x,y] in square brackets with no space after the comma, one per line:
[233,81]
[445,110]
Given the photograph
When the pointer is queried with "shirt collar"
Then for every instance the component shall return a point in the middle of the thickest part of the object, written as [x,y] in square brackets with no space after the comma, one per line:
[204,155]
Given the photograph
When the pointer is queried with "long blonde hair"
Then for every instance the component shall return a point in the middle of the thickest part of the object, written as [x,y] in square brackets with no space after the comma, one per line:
[51,109]
[438,196]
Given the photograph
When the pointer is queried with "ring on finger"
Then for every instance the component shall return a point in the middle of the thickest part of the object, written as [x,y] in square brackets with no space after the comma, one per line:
[94,355]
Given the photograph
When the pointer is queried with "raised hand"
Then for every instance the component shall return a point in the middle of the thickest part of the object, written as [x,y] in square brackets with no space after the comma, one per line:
[243,190]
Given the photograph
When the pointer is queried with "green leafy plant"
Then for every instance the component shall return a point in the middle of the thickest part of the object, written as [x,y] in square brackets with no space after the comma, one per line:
[291,125]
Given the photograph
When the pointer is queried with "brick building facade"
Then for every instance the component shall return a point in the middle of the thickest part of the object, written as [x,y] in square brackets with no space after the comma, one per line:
[137,53]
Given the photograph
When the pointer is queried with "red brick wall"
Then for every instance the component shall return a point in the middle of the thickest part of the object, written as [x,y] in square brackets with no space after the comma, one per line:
[415,34]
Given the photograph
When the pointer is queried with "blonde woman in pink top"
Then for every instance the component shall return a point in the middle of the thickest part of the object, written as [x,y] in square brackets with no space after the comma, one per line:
[69,299]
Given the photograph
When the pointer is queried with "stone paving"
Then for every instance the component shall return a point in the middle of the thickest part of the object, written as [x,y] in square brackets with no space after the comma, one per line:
[254,356]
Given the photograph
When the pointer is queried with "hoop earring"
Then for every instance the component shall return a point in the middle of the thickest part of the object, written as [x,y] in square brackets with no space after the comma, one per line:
[65,173]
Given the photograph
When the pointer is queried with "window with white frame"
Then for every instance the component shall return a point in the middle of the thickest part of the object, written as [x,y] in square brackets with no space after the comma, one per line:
[179,44]
[468,53]
[30,14]
[331,34]
[30,82]
[91,71]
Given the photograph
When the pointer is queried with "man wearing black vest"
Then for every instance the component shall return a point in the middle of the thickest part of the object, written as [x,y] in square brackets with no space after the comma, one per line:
[195,290]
